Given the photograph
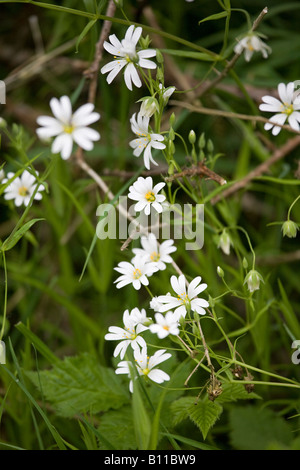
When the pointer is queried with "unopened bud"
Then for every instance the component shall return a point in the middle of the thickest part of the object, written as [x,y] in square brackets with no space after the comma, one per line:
[225,242]
[172,119]
[192,137]
[245,263]
[159,57]
[220,271]
[202,141]
[289,229]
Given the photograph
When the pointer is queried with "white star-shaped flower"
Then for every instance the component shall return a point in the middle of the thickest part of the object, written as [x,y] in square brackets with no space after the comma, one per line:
[165,325]
[146,366]
[135,273]
[153,252]
[250,44]
[187,299]
[129,335]
[146,139]
[67,127]
[22,188]
[286,109]
[146,195]
[127,56]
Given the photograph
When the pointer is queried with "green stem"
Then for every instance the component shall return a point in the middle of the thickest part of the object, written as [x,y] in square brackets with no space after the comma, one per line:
[5,296]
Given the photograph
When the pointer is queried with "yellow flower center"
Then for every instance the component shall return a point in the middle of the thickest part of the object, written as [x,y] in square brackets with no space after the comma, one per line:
[137,273]
[68,129]
[150,196]
[23,191]
[165,327]
[183,298]
[288,108]
[155,256]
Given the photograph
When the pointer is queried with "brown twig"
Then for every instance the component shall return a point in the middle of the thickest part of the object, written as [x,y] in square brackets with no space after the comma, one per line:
[260,169]
[199,169]
[92,72]
[229,114]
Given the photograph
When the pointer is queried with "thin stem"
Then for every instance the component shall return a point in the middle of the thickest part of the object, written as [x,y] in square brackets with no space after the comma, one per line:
[5,296]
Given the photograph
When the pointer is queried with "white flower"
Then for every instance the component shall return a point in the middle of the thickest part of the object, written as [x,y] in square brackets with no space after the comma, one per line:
[155,304]
[139,316]
[165,325]
[166,92]
[185,300]
[153,252]
[129,335]
[146,139]
[135,273]
[253,279]
[250,44]
[146,366]
[68,128]
[125,55]
[146,195]
[22,188]
[148,107]
[286,109]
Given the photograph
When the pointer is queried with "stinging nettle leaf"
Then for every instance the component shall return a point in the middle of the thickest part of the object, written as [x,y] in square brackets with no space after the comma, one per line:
[80,384]
[204,415]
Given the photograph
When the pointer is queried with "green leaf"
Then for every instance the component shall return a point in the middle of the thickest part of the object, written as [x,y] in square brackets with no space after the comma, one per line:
[254,428]
[117,426]
[204,414]
[84,33]
[235,392]
[216,16]
[193,55]
[180,407]
[13,239]
[142,423]
[80,384]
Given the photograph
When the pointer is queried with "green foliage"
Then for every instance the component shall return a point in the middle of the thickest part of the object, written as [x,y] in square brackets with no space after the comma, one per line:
[232,384]
[79,385]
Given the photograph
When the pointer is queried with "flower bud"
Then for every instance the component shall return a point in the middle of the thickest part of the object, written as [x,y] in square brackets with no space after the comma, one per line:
[245,263]
[289,229]
[220,271]
[202,141]
[225,242]
[253,279]
[159,57]
[172,119]
[192,137]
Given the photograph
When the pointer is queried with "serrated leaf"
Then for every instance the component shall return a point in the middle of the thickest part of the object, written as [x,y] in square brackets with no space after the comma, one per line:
[12,240]
[179,409]
[204,415]
[80,384]
[235,392]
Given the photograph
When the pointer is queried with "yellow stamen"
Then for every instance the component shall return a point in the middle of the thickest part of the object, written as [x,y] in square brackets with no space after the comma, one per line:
[137,273]
[150,196]
[23,191]
[155,256]
[68,129]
